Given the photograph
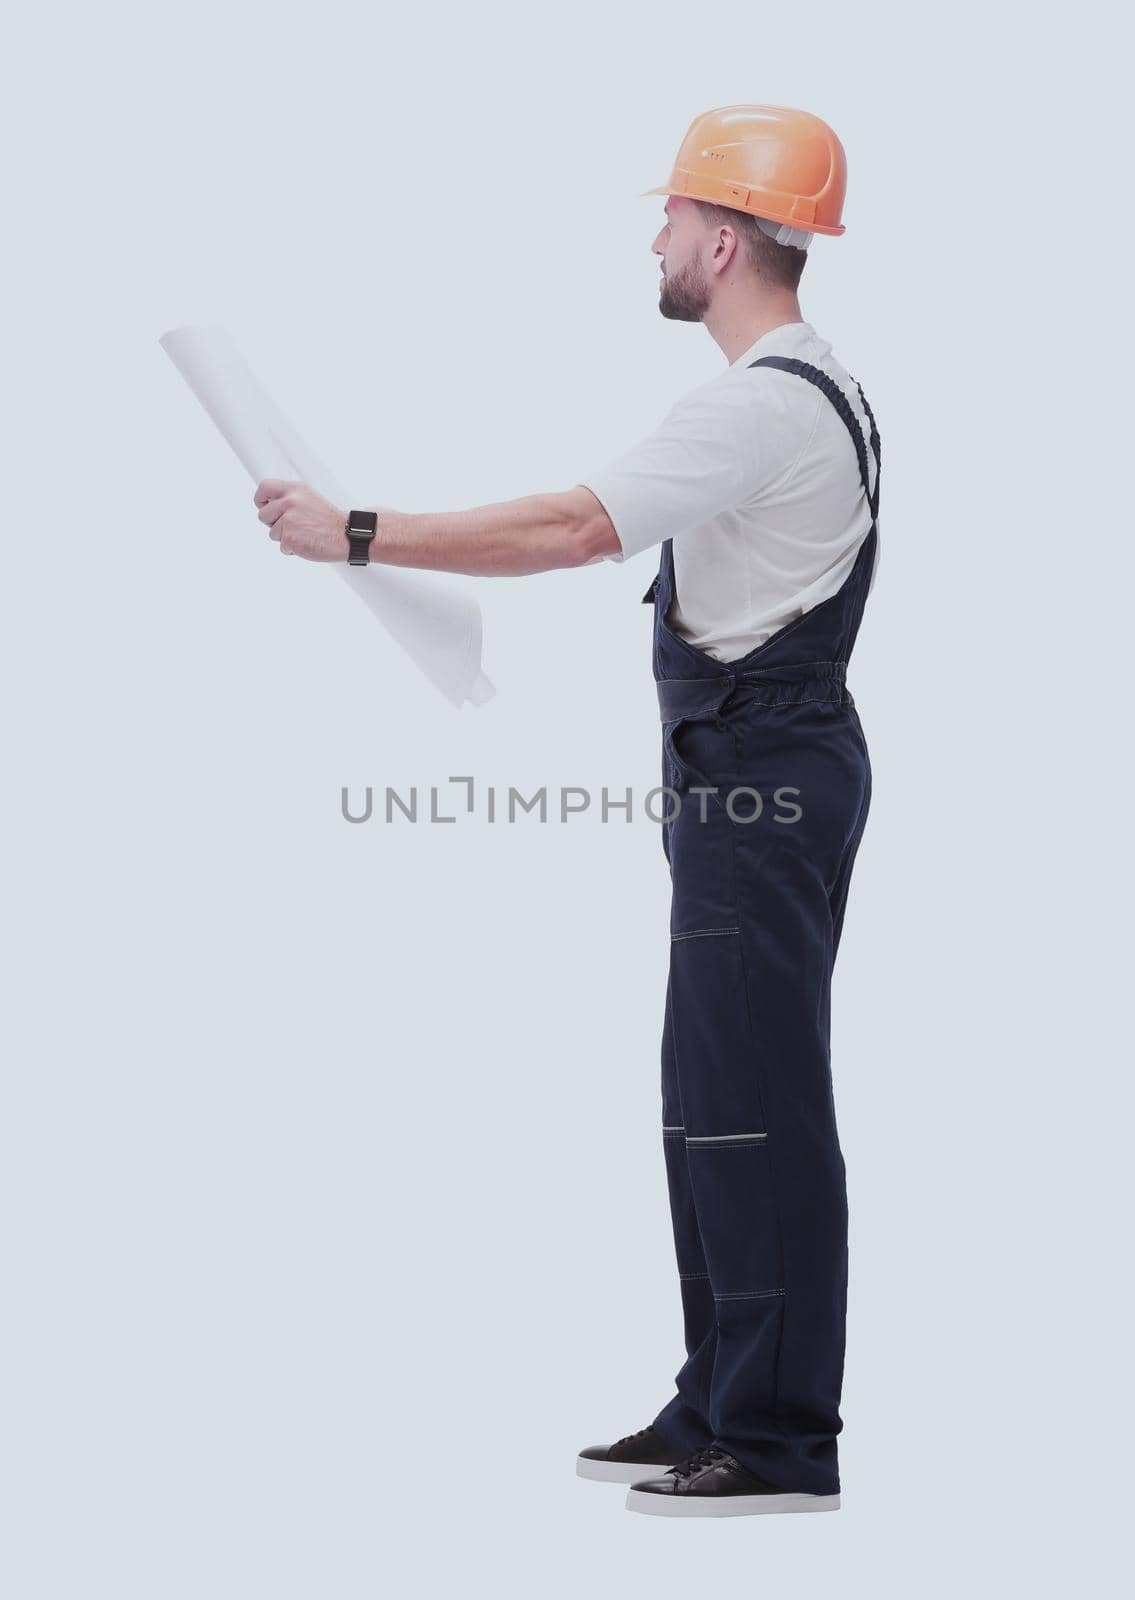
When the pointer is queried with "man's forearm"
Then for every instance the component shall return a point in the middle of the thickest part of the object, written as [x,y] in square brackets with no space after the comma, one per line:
[537,533]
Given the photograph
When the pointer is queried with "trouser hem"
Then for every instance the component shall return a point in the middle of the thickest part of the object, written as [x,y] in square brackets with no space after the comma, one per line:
[675,1436]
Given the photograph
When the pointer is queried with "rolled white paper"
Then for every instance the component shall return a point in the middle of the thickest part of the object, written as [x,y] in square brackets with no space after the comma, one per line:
[437,625]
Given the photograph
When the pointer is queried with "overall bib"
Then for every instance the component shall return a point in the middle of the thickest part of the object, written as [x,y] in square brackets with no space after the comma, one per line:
[771,785]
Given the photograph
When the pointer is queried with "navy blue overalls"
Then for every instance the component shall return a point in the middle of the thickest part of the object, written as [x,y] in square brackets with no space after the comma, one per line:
[772,782]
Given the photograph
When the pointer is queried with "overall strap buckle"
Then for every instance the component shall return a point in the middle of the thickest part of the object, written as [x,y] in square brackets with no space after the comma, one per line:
[693,699]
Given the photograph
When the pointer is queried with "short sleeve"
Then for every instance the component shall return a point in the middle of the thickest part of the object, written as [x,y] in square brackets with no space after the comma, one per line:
[705,457]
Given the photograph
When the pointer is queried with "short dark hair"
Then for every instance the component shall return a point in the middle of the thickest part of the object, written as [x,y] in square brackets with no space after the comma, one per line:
[781,264]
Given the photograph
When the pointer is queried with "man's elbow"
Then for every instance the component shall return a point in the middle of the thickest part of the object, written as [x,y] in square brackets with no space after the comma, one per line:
[587,532]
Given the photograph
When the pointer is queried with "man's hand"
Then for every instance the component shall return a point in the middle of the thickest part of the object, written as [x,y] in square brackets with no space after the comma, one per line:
[302,522]
[508,539]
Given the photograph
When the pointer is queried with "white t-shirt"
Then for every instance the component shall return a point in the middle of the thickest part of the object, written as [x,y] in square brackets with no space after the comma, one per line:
[754,476]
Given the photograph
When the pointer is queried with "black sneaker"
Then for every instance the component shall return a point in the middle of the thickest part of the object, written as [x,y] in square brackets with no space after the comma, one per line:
[632,1457]
[712,1483]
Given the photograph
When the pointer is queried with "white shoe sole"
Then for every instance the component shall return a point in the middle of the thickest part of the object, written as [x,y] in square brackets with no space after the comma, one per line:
[616,1471]
[737,1505]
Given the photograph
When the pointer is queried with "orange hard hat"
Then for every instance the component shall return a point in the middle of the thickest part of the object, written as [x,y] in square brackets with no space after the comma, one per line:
[786,166]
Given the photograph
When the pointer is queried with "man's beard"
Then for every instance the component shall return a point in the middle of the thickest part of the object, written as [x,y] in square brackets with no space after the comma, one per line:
[685,294]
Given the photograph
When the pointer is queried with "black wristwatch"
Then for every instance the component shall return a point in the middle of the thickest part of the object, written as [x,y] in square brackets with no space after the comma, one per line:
[361,529]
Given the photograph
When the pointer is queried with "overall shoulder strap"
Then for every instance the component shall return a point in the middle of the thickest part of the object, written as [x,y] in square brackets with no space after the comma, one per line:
[876,447]
[828,387]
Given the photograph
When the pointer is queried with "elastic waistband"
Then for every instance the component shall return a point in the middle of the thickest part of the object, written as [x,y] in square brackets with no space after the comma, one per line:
[693,699]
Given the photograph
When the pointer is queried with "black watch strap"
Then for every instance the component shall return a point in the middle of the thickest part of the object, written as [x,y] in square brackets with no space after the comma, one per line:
[361,529]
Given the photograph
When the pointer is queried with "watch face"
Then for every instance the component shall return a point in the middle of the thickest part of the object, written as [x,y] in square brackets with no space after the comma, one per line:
[363,521]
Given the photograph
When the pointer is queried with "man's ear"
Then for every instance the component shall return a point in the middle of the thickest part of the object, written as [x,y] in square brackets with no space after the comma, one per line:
[724,248]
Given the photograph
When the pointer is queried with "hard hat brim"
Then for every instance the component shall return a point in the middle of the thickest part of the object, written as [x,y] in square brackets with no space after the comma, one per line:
[769,213]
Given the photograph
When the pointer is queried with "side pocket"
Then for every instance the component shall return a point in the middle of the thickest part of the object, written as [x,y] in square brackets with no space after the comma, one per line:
[673,771]
[713,1038]
[700,753]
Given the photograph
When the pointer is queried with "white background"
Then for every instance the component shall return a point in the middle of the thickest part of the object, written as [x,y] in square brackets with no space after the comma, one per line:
[333,1201]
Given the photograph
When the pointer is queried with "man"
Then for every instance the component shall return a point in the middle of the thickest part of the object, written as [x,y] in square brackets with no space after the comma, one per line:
[762,487]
